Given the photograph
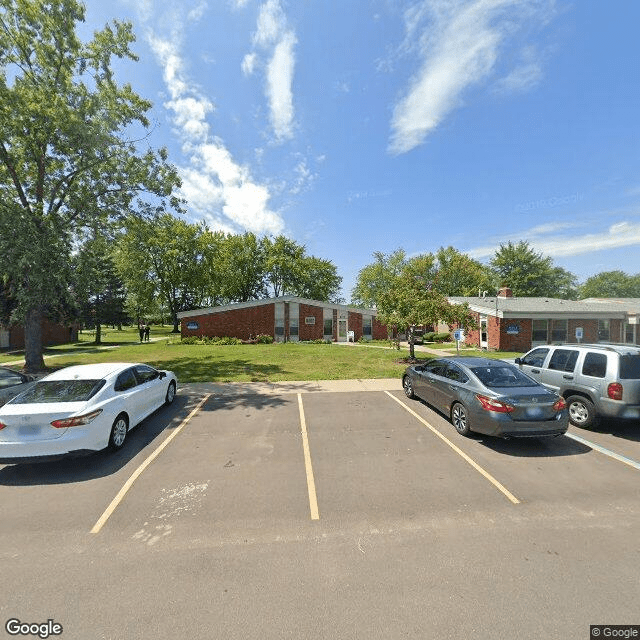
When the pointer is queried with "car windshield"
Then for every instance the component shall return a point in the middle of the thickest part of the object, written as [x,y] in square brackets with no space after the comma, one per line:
[630,367]
[60,391]
[500,376]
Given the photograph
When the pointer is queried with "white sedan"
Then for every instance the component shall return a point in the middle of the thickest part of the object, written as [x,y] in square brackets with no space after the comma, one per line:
[81,409]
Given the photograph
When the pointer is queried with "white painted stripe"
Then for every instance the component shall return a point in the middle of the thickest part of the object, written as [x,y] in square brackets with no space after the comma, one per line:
[311,485]
[606,452]
[136,474]
[459,451]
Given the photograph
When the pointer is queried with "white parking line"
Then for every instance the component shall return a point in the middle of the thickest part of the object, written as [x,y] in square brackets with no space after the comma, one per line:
[459,451]
[136,474]
[311,485]
[606,452]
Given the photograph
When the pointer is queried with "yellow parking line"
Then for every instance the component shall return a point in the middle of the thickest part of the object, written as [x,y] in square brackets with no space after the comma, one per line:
[459,451]
[136,474]
[311,485]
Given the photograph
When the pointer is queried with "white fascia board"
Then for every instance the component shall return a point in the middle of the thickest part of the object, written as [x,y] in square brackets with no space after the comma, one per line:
[266,301]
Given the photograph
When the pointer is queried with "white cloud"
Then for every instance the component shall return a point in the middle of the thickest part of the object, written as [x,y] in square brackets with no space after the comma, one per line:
[521,78]
[547,240]
[198,11]
[277,41]
[215,185]
[248,64]
[458,48]
[279,80]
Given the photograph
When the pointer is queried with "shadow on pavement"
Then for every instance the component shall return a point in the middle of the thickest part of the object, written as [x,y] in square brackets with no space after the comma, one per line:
[546,447]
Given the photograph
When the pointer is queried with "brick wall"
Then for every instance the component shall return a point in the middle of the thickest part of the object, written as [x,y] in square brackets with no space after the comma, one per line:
[354,322]
[237,323]
[515,342]
[52,333]
[311,331]
[379,330]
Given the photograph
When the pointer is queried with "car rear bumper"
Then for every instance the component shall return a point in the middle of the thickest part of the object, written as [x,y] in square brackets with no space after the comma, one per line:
[503,426]
[75,442]
[618,409]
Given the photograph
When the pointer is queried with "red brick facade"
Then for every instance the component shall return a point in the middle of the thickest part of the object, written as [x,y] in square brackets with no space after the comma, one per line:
[52,333]
[500,338]
[244,323]
[249,321]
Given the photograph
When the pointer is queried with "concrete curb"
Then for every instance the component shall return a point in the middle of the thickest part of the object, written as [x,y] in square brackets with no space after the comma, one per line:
[285,387]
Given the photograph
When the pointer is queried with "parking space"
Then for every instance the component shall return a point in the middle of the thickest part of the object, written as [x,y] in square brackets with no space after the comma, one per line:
[413,535]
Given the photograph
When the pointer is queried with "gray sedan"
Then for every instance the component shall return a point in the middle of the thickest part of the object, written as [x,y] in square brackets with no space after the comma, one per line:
[487,396]
[12,383]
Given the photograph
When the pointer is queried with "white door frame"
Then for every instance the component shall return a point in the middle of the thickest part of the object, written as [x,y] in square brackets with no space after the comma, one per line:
[484,344]
[346,330]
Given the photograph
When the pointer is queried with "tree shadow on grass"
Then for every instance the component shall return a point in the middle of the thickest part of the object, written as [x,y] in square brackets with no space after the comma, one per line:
[224,370]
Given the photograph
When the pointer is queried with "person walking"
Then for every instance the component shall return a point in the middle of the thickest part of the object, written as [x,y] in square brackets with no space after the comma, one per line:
[147,331]
[141,330]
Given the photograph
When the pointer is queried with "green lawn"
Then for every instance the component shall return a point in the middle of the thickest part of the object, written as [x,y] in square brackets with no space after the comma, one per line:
[237,363]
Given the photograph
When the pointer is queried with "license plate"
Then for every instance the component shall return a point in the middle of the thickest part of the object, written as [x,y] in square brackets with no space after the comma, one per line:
[534,412]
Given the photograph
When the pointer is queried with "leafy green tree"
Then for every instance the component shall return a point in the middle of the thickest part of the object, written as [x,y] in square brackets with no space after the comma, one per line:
[459,275]
[163,257]
[319,279]
[68,153]
[99,291]
[242,262]
[283,258]
[377,278]
[411,299]
[529,273]
[611,284]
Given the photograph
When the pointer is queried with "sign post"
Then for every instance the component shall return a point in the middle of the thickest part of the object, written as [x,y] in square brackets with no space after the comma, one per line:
[458,335]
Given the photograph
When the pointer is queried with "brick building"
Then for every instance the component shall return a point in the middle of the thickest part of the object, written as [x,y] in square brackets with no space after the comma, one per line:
[286,319]
[12,336]
[511,323]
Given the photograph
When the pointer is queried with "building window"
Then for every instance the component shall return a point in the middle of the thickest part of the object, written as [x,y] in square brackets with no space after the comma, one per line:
[366,326]
[327,315]
[628,333]
[559,331]
[294,320]
[604,334]
[279,321]
[539,331]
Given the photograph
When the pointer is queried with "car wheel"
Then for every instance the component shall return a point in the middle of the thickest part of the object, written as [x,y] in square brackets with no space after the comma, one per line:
[408,387]
[581,411]
[459,419]
[171,393]
[118,432]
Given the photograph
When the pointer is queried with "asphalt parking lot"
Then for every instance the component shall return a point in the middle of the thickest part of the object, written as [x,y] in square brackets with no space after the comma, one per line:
[303,513]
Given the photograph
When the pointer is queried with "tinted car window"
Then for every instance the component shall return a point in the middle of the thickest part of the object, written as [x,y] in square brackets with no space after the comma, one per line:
[9,379]
[535,358]
[595,365]
[126,380]
[144,374]
[563,360]
[436,368]
[60,391]
[630,367]
[502,376]
[454,373]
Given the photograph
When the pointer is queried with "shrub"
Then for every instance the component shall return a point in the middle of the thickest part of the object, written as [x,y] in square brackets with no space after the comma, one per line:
[442,337]
[264,339]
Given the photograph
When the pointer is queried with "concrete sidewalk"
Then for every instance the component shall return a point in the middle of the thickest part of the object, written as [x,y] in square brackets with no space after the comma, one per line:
[284,387]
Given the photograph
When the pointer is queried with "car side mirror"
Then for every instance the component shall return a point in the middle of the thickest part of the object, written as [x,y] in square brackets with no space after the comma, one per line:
[162,374]
[518,361]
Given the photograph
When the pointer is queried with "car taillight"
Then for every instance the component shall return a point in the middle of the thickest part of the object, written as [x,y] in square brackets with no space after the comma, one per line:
[614,390]
[489,404]
[2,425]
[560,404]
[64,423]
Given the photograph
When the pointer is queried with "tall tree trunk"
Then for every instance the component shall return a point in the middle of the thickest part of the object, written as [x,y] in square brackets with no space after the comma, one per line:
[33,360]
[176,325]
[98,339]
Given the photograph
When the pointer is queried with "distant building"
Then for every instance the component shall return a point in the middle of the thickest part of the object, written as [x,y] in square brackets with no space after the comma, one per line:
[509,323]
[286,319]
[12,336]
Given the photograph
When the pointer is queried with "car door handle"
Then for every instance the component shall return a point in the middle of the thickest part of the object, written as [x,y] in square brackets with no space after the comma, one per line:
[452,387]
[535,370]
[567,377]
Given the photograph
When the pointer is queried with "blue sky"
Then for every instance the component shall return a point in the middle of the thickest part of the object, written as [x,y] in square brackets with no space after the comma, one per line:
[373,125]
